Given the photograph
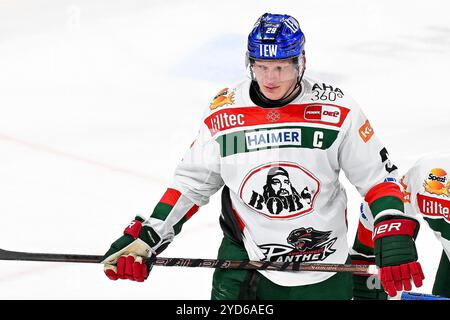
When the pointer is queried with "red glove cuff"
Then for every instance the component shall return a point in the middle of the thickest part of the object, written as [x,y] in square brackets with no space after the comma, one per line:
[133,229]
[394,227]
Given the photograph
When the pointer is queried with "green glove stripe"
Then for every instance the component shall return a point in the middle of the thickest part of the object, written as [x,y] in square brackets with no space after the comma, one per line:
[394,250]
[385,203]
[119,244]
[161,211]
[398,252]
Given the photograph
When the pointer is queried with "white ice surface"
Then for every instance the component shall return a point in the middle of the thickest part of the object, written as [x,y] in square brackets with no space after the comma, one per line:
[99,99]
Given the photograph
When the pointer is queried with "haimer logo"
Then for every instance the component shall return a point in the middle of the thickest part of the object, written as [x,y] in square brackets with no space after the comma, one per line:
[271,138]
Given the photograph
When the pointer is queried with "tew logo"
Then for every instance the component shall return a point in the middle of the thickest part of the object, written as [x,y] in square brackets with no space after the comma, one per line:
[323,113]
[268,50]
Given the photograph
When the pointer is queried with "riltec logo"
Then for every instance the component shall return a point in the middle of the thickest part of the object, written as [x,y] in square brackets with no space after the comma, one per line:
[280,190]
[434,208]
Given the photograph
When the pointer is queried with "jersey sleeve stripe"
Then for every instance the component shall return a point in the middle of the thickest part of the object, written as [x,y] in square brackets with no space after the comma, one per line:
[170,197]
[364,236]
[382,190]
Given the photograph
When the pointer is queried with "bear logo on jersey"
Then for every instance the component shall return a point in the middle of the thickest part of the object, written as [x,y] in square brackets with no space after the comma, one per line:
[280,190]
[307,238]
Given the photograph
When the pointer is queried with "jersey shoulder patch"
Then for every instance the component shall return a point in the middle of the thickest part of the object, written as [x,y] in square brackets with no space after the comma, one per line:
[325,92]
[222,98]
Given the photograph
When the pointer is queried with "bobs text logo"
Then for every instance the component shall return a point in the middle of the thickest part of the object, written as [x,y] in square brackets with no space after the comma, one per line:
[280,190]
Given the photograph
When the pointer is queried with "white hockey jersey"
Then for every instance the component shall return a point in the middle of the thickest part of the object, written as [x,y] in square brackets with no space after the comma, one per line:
[279,167]
[427,193]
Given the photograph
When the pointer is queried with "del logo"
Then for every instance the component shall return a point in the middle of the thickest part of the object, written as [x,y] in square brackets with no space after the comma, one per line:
[305,245]
[280,190]
[323,113]
[222,98]
[437,182]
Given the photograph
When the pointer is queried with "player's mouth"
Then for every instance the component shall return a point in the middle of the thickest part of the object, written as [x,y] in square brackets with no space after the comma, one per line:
[271,88]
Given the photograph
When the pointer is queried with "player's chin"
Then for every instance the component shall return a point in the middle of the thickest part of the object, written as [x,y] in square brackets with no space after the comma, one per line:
[273,94]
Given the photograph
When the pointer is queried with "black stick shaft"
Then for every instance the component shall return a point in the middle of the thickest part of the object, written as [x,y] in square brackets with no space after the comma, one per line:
[193,263]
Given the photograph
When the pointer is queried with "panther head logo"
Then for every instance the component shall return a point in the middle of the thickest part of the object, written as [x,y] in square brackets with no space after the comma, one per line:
[307,238]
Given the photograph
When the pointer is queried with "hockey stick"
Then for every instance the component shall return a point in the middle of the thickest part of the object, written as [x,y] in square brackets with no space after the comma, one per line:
[204,263]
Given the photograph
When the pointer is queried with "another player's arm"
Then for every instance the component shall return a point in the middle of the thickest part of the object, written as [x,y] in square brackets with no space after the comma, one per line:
[414,183]
[196,178]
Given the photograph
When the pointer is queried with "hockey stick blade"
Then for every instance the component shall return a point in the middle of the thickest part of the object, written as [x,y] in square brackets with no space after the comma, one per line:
[49,257]
[420,296]
[203,263]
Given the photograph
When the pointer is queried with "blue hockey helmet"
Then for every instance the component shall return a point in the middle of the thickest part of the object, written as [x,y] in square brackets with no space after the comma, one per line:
[275,37]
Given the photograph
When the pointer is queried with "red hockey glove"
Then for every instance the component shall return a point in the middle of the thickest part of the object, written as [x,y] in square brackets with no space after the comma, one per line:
[396,254]
[131,257]
[398,278]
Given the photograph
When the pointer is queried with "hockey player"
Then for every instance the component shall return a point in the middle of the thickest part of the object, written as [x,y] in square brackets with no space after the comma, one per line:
[426,191]
[276,143]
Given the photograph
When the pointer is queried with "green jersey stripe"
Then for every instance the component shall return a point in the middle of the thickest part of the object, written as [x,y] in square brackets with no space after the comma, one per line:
[278,137]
